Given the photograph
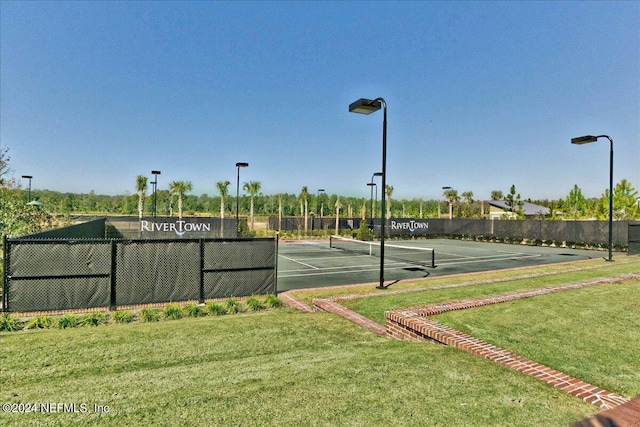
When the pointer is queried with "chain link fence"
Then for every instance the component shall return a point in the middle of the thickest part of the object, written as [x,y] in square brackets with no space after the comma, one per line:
[571,232]
[44,273]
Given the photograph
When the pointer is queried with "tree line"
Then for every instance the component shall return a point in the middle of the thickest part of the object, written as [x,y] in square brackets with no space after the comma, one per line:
[18,217]
[177,201]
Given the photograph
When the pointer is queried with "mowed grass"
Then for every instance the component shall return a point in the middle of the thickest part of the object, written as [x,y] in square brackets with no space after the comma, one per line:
[307,295]
[281,368]
[478,285]
[590,333]
[287,368]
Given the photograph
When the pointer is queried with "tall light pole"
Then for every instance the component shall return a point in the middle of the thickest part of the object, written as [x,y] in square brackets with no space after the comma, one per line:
[155,187]
[29,177]
[368,106]
[239,165]
[585,140]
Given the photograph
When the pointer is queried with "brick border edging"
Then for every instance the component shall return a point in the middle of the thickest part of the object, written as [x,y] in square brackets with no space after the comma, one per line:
[625,415]
[412,325]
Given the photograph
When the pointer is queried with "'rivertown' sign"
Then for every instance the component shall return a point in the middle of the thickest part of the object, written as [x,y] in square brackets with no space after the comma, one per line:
[410,225]
[179,227]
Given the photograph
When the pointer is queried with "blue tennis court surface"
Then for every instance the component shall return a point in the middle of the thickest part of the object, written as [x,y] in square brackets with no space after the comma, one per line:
[312,263]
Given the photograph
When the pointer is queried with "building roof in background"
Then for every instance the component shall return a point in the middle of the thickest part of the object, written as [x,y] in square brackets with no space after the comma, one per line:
[529,209]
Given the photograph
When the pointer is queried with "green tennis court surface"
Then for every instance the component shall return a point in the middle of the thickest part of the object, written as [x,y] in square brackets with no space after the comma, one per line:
[313,263]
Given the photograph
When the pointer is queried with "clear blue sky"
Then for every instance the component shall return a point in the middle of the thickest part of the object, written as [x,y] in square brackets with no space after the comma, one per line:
[481,95]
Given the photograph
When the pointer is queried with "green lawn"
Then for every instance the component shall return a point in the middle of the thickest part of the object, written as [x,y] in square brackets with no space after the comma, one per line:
[581,267]
[591,333]
[286,368]
[272,368]
[476,286]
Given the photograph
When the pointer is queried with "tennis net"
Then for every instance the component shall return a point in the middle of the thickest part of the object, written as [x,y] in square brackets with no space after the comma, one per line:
[411,255]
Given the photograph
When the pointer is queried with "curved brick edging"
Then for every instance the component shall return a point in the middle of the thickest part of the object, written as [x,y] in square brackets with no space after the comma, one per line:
[411,324]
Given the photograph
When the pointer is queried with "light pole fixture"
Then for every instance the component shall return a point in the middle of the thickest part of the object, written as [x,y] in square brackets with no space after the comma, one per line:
[585,140]
[29,177]
[239,165]
[368,106]
[155,186]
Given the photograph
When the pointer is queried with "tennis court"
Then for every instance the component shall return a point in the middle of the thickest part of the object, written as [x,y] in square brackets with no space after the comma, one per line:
[313,263]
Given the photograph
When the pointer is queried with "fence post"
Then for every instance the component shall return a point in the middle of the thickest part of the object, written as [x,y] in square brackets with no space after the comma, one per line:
[5,274]
[201,271]
[275,267]
[112,303]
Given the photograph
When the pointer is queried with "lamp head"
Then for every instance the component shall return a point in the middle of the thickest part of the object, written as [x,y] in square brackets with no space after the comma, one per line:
[155,172]
[364,106]
[242,165]
[27,176]
[584,139]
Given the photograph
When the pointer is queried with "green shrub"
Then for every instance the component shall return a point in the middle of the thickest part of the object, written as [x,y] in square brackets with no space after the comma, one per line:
[172,312]
[273,301]
[233,306]
[254,303]
[215,309]
[150,314]
[39,322]
[68,321]
[193,310]
[9,322]
[121,316]
[364,233]
[94,319]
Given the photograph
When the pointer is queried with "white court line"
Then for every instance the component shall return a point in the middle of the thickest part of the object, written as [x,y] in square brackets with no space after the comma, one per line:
[500,256]
[351,268]
[322,273]
[488,260]
[357,269]
[299,262]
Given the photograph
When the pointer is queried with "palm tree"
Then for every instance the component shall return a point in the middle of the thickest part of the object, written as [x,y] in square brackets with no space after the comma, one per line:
[388,191]
[452,197]
[252,187]
[223,189]
[304,194]
[338,206]
[180,188]
[141,188]
[468,198]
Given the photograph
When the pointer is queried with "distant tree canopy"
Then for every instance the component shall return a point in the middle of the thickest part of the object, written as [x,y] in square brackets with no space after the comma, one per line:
[461,205]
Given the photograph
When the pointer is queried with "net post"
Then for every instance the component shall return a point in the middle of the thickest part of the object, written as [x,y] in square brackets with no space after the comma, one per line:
[433,259]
